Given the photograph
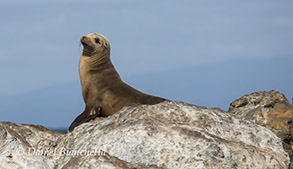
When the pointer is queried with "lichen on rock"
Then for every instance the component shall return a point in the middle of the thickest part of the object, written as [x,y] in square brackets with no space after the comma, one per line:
[270,109]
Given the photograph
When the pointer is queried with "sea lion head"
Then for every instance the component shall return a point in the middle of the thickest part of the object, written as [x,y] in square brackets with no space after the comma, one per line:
[95,44]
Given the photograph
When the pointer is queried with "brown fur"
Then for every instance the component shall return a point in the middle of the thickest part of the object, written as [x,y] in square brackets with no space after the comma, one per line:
[103,90]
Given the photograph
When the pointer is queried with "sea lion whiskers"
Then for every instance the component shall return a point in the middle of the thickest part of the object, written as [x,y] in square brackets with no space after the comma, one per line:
[79,46]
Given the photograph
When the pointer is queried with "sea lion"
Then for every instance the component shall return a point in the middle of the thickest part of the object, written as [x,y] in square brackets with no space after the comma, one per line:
[103,91]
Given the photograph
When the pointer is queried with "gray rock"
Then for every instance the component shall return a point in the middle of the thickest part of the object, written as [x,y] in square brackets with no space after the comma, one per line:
[26,146]
[178,135]
[102,161]
[270,109]
[167,135]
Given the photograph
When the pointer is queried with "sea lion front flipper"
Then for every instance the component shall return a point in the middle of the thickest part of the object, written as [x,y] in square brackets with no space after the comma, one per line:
[86,116]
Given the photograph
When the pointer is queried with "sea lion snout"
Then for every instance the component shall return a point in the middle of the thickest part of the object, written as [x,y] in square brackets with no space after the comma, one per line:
[83,39]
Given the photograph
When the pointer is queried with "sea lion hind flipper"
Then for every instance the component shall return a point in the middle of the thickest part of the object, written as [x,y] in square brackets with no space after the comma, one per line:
[86,116]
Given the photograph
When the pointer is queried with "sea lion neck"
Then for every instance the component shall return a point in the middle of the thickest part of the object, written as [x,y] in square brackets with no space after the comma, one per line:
[97,61]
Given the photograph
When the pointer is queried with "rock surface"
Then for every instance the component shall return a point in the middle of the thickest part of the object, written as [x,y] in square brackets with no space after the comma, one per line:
[270,109]
[166,135]
[34,147]
[19,144]
[178,135]
[103,161]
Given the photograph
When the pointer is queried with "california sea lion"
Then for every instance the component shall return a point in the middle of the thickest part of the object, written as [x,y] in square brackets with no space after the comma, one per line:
[103,91]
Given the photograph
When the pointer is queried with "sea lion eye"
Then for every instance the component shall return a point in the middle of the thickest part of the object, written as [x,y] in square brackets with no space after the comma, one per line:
[97,40]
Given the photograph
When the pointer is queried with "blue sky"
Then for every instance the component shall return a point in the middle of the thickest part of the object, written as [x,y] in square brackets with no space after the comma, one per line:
[204,52]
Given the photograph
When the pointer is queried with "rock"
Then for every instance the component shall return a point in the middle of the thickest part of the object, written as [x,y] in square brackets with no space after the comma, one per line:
[19,145]
[167,135]
[101,161]
[34,147]
[178,135]
[270,109]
